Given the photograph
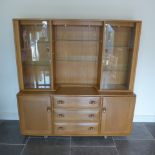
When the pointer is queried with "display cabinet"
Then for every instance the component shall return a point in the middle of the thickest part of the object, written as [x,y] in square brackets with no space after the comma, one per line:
[76,77]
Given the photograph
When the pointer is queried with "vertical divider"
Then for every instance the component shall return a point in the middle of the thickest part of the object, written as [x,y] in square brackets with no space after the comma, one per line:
[135,55]
[52,49]
[18,53]
[102,49]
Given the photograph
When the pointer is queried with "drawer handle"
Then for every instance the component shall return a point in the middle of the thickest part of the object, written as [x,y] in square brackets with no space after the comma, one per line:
[60,115]
[92,115]
[60,102]
[92,102]
[60,128]
[91,128]
[104,110]
[48,109]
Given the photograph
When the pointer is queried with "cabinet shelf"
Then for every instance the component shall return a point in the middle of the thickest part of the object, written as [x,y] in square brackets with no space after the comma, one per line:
[74,40]
[78,58]
[36,63]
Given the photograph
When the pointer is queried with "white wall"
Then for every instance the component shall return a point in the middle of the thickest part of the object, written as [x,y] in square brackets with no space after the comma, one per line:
[94,9]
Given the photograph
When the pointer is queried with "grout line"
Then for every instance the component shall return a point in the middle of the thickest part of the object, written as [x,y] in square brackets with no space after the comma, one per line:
[115,145]
[24,146]
[70,145]
[132,139]
[10,144]
[95,146]
[148,130]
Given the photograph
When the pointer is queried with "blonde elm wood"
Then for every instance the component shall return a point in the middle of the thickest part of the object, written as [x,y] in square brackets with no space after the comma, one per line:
[117,115]
[76,115]
[35,114]
[76,102]
[76,128]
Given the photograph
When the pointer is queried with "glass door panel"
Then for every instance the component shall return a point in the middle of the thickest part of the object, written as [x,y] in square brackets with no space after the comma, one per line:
[35,54]
[119,42]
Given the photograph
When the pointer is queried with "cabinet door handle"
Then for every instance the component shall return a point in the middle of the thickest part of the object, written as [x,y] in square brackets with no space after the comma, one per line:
[60,115]
[60,128]
[48,109]
[92,102]
[91,115]
[91,128]
[60,102]
[104,110]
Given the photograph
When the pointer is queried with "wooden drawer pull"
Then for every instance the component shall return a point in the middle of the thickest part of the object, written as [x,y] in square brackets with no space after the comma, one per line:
[60,115]
[48,109]
[60,128]
[91,115]
[60,102]
[91,128]
[104,110]
[92,102]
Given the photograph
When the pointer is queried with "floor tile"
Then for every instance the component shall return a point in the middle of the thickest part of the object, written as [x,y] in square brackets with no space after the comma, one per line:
[49,146]
[151,128]
[135,147]
[94,151]
[11,149]
[91,141]
[10,133]
[139,132]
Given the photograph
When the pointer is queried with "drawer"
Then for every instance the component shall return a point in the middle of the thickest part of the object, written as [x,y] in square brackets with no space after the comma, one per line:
[76,128]
[91,115]
[75,102]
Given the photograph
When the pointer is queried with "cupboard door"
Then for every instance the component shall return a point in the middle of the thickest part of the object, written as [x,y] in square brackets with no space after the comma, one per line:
[35,114]
[117,115]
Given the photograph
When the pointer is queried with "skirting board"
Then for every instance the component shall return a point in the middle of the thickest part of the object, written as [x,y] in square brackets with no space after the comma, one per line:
[137,118]
[144,118]
[8,116]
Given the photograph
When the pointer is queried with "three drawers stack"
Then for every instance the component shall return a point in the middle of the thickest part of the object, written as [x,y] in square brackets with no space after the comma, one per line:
[76,115]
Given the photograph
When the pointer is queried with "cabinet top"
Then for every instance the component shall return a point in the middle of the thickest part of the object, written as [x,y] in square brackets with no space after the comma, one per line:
[77,91]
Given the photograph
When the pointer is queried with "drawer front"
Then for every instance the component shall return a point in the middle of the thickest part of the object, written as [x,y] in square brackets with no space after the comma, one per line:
[76,128]
[73,102]
[91,115]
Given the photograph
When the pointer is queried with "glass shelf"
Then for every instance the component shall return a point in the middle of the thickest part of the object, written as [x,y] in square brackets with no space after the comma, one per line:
[75,40]
[78,58]
[36,63]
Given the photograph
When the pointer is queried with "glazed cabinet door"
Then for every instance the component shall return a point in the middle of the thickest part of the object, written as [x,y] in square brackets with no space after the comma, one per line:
[121,40]
[33,49]
[35,114]
[117,115]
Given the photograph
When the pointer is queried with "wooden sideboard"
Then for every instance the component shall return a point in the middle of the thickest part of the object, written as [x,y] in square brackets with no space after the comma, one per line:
[76,77]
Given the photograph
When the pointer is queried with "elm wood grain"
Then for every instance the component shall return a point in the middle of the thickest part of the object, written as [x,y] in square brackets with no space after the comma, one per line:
[75,128]
[35,114]
[76,102]
[18,54]
[76,115]
[135,55]
[117,115]
[77,22]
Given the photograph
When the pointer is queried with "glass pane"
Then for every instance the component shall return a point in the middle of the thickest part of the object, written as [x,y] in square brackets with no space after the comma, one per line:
[35,53]
[117,57]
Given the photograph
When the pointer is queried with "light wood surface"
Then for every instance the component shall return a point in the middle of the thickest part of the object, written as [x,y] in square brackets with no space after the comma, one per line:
[35,114]
[117,115]
[74,114]
[76,102]
[76,128]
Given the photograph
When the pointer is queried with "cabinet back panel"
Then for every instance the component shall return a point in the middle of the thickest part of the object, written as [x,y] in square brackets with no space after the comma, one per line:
[76,49]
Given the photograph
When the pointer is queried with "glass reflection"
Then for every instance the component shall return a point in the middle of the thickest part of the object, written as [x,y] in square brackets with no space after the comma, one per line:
[36,55]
